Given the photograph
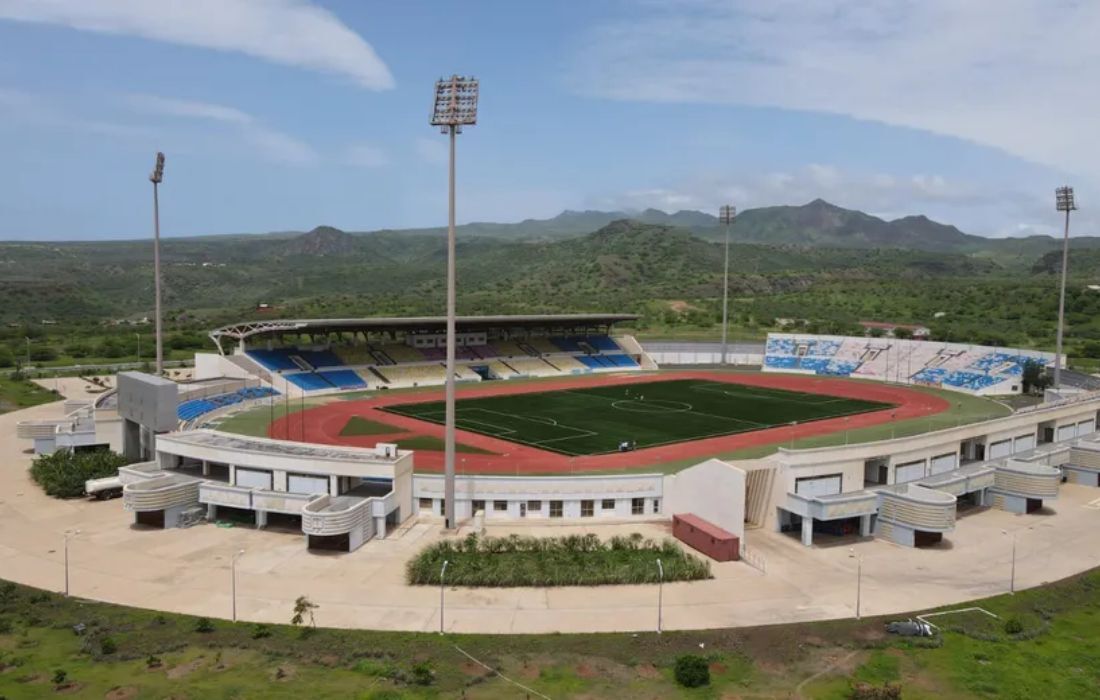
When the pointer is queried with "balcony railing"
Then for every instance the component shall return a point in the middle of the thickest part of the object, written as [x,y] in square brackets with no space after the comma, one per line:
[160,493]
[918,507]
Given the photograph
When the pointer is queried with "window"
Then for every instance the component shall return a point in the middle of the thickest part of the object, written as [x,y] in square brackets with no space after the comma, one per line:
[608,504]
[587,508]
[479,505]
[534,506]
[637,506]
[656,505]
[555,509]
[425,504]
[443,506]
[500,505]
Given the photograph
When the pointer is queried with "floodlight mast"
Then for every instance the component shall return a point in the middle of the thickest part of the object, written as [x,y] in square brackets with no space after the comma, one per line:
[1063,201]
[156,177]
[726,215]
[455,107]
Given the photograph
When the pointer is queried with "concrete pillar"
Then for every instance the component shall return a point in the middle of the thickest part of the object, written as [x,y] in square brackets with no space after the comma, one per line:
[380,528]
[808,531]
[333,485]
[261,519]
[211,512]
[233,474]
[865,525]
[205,468]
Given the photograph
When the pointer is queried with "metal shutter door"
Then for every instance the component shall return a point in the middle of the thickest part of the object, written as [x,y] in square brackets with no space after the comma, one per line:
[909,472]
[1066,432]
[1086,426]
[944,463]
[254,478]
[296,483]
[1023,443]
[1001,448]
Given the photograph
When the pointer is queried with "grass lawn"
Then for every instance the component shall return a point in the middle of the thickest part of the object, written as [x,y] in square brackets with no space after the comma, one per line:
[433,443]
[574,560]
[255,421]
[596,420]
[20,393]
[358,425]
[161,655]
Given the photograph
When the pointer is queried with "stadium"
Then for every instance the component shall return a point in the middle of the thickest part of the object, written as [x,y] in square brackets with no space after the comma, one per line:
[333,428]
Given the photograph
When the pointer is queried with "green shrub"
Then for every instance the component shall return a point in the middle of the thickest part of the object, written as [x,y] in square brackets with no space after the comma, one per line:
[260,631]
[1013,626]
[60,676]
[63,473]
[866,691]
[692,671]
[204,625]
[107,646]
[422,674]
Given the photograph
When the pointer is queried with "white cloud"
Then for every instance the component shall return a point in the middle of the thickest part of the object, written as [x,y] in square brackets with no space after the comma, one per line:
[30,110]
[432,151]
[269,143]
[289,32]
[364,155]
[1012,74]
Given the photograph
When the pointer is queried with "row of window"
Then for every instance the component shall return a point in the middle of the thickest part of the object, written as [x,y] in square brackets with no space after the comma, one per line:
[588,506]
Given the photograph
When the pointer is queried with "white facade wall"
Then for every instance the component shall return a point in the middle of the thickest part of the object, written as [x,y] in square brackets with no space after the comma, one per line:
[713,490]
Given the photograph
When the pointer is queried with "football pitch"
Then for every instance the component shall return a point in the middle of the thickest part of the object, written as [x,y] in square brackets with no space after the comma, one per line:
[597,420]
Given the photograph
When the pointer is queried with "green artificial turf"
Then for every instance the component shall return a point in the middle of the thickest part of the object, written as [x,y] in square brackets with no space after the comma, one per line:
[432,443]
[597,420]
[358,425]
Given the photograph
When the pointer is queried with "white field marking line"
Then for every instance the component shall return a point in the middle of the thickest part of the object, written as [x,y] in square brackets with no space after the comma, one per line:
[765,395]
[438,417]
[580,432]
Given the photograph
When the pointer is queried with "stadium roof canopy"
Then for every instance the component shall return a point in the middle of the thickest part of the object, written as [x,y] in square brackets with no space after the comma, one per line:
[422,324]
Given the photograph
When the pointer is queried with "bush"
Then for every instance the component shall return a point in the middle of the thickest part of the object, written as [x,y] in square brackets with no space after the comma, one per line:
[63,473]
[422,674]
[692,671]
[107,646]
[260,631]
[1013,626]
[866,691]
[204,625]
[60,676]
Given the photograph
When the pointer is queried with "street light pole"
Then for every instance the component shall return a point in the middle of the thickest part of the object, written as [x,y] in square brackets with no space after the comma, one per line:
[233,582]
[1064,201]
[138,336]
[859,586]
[156,177]
[660,592]
[455,107]
[68,534]
[28,339]
[726,215]
[442,573]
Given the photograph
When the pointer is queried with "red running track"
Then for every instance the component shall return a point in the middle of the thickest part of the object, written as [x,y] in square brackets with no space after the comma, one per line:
[324,423]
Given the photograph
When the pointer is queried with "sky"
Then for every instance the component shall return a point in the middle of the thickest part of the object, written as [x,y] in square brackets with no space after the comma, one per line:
[282,115]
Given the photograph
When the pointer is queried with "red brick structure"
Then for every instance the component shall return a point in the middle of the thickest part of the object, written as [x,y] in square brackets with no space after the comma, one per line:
[706,537]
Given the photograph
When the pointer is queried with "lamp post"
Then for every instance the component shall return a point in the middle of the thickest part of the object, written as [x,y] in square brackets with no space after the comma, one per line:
[138,336]
[68,534]
[233,581]
[859,585]
[156,177]
[1063,201]
[455,107]
[660,592]
[726,215]
[442,573]
[28,339]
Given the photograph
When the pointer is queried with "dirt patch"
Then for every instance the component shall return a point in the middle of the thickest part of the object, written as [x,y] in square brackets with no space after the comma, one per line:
[69,688]
[284,673]
[122,692]
[647,671]
[585,671]
[184,670]
[473,670]
[530,671]
[717,668]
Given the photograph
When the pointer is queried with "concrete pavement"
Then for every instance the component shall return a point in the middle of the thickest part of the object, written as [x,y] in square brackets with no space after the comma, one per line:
[188,571]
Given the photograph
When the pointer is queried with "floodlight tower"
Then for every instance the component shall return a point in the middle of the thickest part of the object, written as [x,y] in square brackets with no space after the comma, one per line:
[455,107]
[156,177]
[726,215]
[1063,200]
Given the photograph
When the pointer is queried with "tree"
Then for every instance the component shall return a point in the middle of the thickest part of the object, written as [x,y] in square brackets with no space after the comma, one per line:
[303,606]
[903,333]
[692,671]
[1034,377]
[875,332]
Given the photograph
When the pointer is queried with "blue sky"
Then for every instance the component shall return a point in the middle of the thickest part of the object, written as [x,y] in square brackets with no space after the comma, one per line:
[286,114]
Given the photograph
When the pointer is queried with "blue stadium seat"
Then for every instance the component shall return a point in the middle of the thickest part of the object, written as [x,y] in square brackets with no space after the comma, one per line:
[344,379]
[192,409]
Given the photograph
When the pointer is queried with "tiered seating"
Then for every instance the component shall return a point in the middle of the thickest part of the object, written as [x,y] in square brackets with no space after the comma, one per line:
[562,344]
[402,375]
[972,380]
[274,359]
[399,353]
[463,373]
[343,379]
[781,362]
[569,364]
[546,346]
[309,381]
[509,348]
[190,410]
[532,367]
[501,370]
[320,358]
[355,355]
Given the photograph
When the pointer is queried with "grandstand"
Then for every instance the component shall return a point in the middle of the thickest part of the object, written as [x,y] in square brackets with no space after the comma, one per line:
[967,368]
[194,408]
[336,355]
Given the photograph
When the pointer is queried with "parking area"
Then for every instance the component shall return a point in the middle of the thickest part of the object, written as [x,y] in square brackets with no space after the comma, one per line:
[188,570]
